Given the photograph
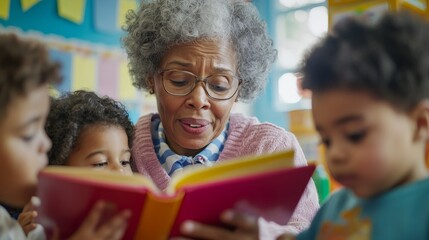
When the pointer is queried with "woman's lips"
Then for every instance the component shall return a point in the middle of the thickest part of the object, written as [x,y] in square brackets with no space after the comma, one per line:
[194,126]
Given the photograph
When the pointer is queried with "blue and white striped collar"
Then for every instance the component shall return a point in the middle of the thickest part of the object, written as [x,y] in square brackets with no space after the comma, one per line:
[172,162]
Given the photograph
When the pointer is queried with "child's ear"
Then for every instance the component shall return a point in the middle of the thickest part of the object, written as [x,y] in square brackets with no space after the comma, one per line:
[421,115]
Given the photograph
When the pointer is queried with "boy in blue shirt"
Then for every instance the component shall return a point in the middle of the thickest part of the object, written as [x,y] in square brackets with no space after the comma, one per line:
[370,103]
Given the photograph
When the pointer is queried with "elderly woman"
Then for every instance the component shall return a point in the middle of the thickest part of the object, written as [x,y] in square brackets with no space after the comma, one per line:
[200,57]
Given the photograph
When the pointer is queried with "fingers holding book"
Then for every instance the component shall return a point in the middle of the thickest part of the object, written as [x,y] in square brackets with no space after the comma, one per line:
[237,226]
[114,228]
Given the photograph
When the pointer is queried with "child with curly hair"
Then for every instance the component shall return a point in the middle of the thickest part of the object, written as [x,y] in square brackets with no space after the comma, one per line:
[86,131]
[370,103]
[25,74]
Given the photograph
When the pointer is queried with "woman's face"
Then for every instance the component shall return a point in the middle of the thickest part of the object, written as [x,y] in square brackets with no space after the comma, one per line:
[191,122]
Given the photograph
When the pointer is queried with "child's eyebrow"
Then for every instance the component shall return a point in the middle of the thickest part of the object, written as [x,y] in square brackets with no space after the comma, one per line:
[94,153]
[103,152]
[29,122]
[344,120]
[349,118]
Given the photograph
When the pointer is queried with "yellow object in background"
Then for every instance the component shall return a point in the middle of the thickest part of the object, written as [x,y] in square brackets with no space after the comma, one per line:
[72,10]
[427,155]
[83,72]
[301,124]
[27,4]
[126,89]
[4,9]
[123,7]
[418,6]
[340,9]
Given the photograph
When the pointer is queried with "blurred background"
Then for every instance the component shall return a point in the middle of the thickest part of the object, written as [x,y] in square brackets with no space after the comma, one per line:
[84,35]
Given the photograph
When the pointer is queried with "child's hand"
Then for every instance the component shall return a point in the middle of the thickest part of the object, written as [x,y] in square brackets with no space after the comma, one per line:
[286,236]
[27,218]
[113,229]
[244,227]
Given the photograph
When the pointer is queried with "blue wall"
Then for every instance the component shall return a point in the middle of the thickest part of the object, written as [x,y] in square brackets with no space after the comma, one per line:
[263,107]
[43,17]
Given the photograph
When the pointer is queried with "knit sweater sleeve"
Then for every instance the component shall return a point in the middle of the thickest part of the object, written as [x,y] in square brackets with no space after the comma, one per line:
[249,137]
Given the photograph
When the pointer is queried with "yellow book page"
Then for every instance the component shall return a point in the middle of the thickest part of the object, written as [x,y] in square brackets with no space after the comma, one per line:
[101,176]
[244,166]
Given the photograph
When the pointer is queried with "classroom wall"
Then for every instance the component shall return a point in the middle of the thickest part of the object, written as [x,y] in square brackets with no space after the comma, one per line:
[87,41]
[44,17]
[84,35]
[264,106]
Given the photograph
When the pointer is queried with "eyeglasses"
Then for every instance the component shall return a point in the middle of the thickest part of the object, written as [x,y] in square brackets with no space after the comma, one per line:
[217,86]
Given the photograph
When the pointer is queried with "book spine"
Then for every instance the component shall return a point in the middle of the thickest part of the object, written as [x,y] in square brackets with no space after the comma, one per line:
[158,216]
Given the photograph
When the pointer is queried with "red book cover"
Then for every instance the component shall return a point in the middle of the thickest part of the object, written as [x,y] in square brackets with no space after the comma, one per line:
[266,185]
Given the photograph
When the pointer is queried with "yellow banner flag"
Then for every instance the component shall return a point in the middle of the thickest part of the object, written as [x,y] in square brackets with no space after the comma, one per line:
[4,9]
[123,7]
[126,89]
[84,73]
[72,10]
[27,4]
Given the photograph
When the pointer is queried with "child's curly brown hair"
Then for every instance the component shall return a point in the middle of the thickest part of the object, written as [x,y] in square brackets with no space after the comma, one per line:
[24,65]
[73,112]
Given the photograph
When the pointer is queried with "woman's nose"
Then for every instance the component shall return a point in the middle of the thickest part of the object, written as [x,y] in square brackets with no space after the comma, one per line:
[198,98]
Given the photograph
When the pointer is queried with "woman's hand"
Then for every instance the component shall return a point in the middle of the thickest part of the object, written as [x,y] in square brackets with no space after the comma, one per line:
[243,227]
[112,229]
[28,216]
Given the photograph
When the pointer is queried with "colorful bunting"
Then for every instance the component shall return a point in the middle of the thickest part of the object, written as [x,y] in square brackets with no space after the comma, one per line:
[27,4]
[72,10]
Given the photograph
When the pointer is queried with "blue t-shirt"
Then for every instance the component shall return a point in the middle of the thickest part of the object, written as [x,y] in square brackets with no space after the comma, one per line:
[401,213]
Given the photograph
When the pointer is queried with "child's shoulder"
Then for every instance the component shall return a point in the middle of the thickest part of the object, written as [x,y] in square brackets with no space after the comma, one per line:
[9,228]
[410,192]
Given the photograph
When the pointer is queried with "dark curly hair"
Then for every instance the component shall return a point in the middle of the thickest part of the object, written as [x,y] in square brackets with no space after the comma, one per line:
[73,112]
[24,65]
[388,58]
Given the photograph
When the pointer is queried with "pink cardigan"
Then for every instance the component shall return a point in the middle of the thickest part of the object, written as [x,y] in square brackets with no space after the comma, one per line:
[246,136]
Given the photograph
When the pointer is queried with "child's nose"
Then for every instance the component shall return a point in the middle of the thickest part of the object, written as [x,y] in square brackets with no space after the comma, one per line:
[336,154]
[117,168]
[45,144]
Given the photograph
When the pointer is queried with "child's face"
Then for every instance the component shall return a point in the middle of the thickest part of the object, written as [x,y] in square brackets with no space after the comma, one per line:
[370,146]
[103,147]
[23,146]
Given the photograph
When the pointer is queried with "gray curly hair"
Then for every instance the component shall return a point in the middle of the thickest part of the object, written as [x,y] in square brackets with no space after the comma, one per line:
[160,24]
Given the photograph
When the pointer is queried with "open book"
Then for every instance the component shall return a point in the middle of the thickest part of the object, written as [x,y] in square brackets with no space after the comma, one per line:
[267,185]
